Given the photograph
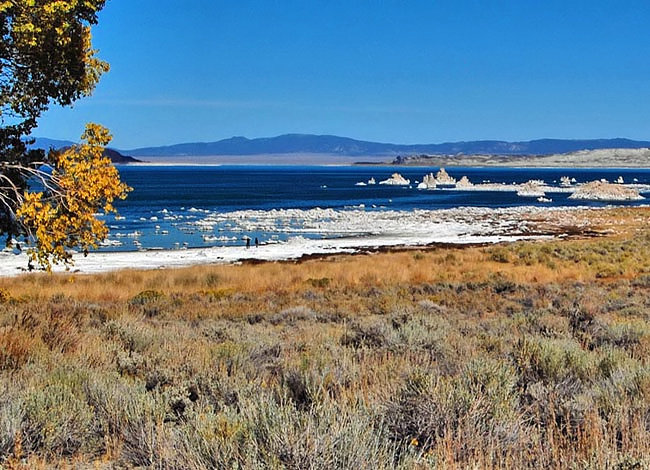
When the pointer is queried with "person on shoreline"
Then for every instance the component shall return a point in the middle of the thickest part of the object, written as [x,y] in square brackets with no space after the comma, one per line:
[257,243]
[248,242]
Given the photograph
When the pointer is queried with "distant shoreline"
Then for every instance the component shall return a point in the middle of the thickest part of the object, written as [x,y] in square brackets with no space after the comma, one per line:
[604,158]
[262,159]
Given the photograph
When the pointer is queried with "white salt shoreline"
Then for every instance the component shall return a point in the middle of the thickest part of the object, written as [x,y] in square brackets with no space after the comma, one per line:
[97,262]
[390,229]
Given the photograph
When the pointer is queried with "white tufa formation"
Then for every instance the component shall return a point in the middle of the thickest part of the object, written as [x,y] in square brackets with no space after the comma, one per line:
[443,178]
[396,180]
[532,188]
[599,191]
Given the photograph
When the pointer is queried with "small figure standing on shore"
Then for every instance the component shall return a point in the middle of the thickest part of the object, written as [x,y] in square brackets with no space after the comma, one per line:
[248,242]
[257,243]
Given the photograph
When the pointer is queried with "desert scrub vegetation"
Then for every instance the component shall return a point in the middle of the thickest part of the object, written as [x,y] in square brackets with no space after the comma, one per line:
[514,356]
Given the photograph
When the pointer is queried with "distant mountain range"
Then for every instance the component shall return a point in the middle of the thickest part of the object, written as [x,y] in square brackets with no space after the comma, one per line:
[343,146]
[46,144]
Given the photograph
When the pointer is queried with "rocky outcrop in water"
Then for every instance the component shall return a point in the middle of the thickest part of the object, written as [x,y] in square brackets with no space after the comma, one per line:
[428,182]
[396,180]
[601,191]
[464,182]
[532,188]
[443,178]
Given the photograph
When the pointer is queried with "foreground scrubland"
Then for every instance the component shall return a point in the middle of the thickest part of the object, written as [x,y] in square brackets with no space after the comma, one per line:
[532,354]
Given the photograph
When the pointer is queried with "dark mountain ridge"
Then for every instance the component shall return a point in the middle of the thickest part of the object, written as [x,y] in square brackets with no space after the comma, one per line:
[345,146]
[47,144]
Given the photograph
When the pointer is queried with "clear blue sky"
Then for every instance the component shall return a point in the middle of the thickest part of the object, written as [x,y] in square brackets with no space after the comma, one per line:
[385,70]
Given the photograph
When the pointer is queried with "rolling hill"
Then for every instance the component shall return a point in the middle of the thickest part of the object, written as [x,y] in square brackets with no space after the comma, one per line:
[344,146]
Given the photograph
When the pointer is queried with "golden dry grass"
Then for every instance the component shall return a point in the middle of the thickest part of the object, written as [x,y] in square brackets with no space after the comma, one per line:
[472,264]
[524,355]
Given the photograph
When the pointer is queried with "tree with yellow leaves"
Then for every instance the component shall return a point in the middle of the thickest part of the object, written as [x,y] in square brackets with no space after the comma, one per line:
[46,57]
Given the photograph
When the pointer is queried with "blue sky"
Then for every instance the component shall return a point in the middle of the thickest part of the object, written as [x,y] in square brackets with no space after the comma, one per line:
[382,70]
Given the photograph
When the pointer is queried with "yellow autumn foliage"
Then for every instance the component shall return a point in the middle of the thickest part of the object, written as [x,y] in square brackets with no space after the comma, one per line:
[47,58]
[83,182]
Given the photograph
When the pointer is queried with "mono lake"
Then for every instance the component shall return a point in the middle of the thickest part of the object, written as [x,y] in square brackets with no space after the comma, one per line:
[176,207]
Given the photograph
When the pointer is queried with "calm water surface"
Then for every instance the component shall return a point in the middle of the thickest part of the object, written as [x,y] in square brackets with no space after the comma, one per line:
[167,201]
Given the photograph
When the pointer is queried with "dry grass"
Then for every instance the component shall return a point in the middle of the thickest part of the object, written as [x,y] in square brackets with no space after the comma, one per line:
[527,355]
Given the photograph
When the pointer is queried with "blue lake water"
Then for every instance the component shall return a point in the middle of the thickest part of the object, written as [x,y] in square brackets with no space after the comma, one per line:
[168,202]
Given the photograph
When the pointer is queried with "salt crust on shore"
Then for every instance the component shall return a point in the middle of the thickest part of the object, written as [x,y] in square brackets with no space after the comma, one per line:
[348,231]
